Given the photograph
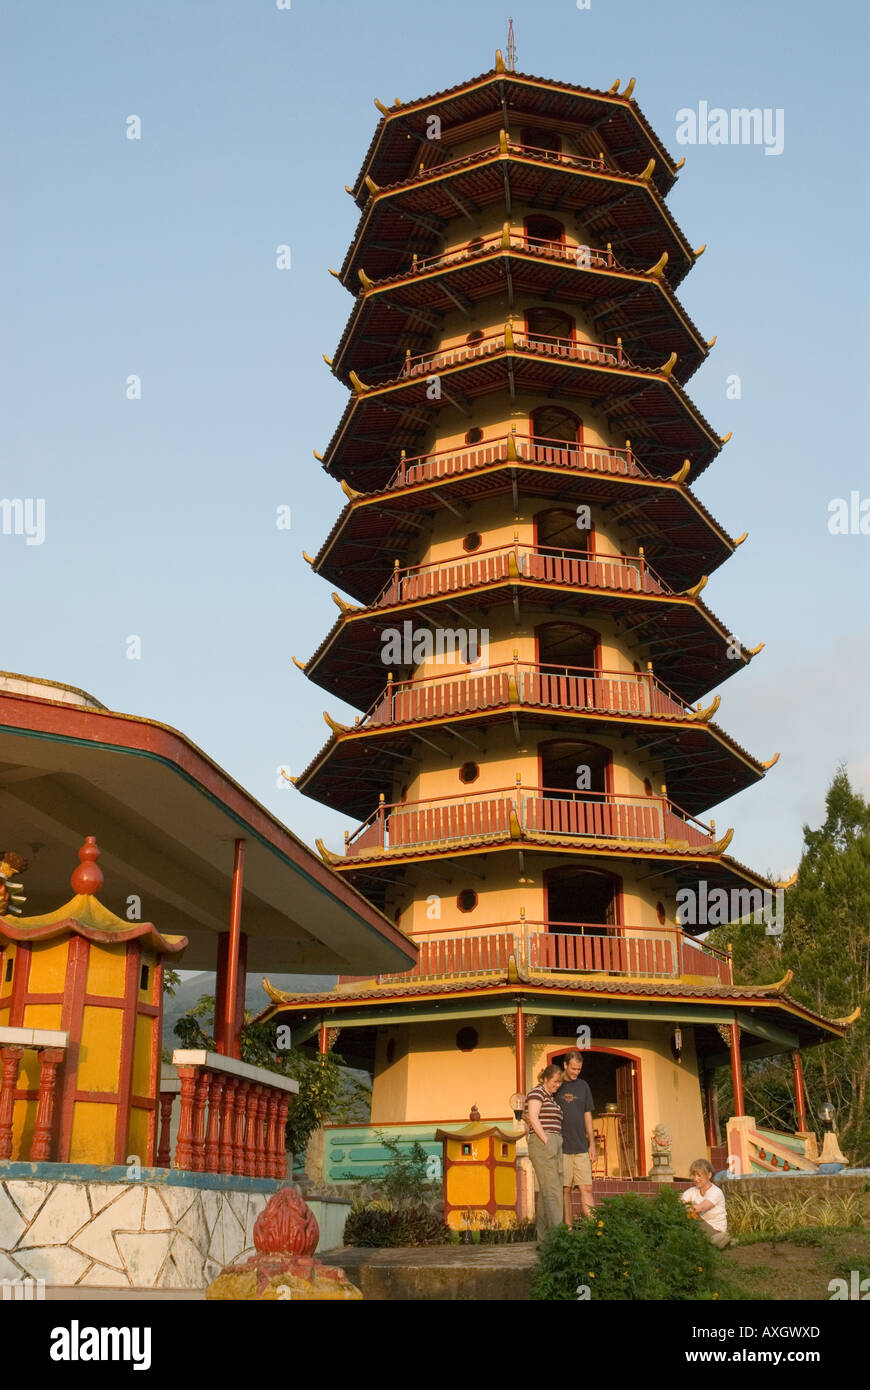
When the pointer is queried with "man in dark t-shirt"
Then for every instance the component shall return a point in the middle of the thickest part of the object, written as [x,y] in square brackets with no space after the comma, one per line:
[574,1099]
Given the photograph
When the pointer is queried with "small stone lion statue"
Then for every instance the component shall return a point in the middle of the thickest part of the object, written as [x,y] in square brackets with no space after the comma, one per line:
[662,1143]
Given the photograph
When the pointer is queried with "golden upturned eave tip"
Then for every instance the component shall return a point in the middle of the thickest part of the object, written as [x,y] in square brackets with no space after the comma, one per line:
[849,1019]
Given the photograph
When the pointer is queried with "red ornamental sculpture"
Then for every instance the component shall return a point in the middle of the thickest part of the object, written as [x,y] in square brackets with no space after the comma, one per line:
[286,1225]
[284,1268]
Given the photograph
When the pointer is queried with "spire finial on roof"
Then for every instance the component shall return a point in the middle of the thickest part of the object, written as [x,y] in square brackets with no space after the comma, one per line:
[87,879]
[511,48]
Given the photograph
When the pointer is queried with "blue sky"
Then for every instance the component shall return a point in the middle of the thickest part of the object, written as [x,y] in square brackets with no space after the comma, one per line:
[157,258]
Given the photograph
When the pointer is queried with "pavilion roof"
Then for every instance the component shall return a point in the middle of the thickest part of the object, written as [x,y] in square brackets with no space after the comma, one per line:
[166,817]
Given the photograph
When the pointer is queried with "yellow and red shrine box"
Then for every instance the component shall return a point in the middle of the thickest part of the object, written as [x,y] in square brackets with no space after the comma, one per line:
[85,972]
[480,1175]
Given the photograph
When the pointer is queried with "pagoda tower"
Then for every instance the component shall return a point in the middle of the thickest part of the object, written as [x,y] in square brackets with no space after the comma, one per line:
[521,626]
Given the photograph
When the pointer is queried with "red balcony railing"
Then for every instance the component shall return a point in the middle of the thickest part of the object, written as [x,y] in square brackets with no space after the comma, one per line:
[445,463]
[232,1117]
[520,561]
[513,147]
[569,947]
[492,815]
[513,337]
[584,257]
[526,683]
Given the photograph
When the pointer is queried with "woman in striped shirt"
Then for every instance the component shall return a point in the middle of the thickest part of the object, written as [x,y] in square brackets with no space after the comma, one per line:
[545,1147]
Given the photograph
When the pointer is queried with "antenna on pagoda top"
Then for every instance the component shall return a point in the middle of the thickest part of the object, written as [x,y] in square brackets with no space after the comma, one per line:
[511,48]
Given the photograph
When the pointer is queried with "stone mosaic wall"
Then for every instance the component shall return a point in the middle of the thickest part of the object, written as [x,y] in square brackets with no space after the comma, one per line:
[122,1234]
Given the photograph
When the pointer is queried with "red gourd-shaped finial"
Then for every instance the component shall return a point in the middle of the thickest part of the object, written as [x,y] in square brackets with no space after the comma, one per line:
[88,877]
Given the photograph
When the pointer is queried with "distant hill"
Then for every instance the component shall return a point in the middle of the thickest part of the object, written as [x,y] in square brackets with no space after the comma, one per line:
[192,989]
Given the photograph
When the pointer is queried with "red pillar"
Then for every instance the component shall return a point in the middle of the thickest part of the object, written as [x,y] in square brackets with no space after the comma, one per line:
[215,1106]
[184,1142]
[520,1039]
[709,1118]
[221,990]
[231,980]
[50,1059]
[799,1095]
[736,1071]
[10,1057]
[164,1150]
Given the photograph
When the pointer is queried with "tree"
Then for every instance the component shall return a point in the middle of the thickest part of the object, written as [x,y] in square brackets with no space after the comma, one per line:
[826,942]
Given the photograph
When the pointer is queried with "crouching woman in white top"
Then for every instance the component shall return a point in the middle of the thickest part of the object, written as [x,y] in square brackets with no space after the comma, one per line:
[707,1203]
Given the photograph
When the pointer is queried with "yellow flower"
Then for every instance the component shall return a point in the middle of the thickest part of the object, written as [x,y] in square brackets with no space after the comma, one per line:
[591,1274]
[715,1295]
[601,1223]
[700,1269]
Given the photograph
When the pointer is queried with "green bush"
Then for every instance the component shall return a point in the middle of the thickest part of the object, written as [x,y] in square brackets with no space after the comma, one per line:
[632,1248]
[392,1226]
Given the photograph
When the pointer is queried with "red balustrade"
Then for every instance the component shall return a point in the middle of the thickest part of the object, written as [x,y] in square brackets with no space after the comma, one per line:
[593,815]
[601,572]
[232,1117]
[567,687]
[513,338]
[50,1052]
[585,948]
[458,820]
[560,453]
[580,568]
[597,818]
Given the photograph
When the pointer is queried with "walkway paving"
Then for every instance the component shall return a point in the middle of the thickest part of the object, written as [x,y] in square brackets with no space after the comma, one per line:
[489,1273]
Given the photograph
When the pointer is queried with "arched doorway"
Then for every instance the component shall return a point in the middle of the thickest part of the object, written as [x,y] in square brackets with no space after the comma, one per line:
[614,1077]
[543,231]
[567,662]
[560,646]
[554,424]
[576,767]
[535,139]
[577,896]
[575,797]
[557,529]
[551,330]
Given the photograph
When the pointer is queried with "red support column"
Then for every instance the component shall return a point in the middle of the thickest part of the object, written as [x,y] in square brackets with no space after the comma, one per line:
[215,1093]
[322,1041]
[737,1071]
[271,1132]
[200,1100]
[709,1118]
[50,1059]
[281,1155]
[520,1039]
[240,1117]
[799,1094]
[230,980]
[257,1145]
[184,1145]
[164,1151]
[228,1114]
[11,1065]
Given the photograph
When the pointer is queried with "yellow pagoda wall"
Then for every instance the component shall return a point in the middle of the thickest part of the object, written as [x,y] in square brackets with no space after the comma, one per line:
[436,1082]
